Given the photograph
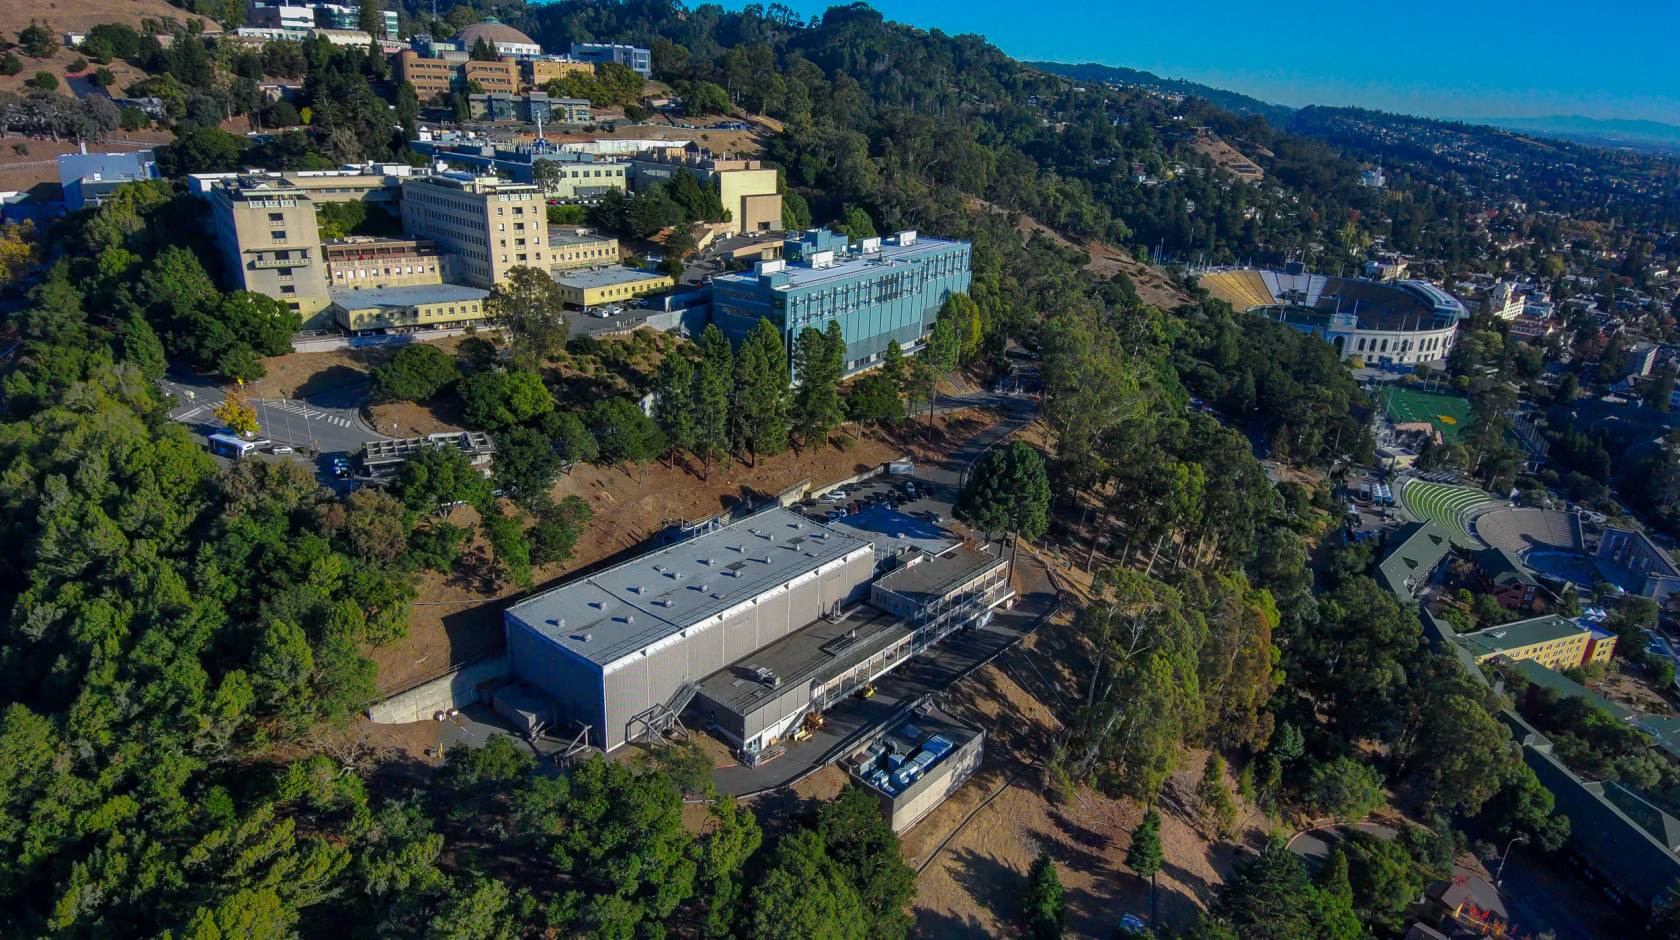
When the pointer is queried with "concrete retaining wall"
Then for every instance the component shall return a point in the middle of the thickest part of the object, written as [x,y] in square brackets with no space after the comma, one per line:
[869,474]
[454,690]
[327,342]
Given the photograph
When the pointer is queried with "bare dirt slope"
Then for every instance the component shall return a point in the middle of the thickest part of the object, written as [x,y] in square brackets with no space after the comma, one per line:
[457,618]
[973,852]
[1227,157]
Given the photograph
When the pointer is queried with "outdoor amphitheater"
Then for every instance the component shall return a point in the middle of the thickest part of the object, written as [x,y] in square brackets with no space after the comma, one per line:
[1548,541]
[1403,323]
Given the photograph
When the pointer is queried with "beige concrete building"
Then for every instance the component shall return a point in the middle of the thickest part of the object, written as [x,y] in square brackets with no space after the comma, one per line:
[363,263]
[539,72]
[747,188]
[407,309]
[492,76]
[490,225]
[266,231]
[580,248]
[587,181]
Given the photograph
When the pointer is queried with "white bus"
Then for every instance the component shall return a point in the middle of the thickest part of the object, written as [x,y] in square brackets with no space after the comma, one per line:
[227,445]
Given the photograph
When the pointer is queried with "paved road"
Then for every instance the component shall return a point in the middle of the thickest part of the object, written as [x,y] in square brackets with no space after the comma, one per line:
[329,421]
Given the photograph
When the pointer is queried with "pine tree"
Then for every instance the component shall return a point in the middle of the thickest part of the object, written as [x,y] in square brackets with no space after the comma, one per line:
[1043,907]
[940,356]
[370,18]
[711,396]
[1217,806]
[892,366]
[142,348]
[758,417]
[1144,856]
[674,403]
[818,361]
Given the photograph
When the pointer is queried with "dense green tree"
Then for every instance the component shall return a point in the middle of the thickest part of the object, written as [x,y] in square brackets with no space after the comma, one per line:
[526,466]
[875,399]
[527,306]
[674,402]
[201,150]
[497,401]
[805,893]
[1342,789]
[818,364]
[437,477]
[1043,907]
[509,548]
[413,373]
[758,409]
[623,433]
[1271,898]
[866,849]
[712,382]
[1008,492]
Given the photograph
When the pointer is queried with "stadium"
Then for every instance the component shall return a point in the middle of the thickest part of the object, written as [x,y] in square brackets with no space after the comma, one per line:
[1403,323]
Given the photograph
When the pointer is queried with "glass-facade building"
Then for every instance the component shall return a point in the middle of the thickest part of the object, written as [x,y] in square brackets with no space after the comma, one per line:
[879,289]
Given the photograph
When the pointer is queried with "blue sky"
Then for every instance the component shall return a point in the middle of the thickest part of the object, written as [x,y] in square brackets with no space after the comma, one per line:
[1472,58]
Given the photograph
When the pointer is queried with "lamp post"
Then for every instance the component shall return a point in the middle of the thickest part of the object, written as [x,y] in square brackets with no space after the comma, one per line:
[1499,874]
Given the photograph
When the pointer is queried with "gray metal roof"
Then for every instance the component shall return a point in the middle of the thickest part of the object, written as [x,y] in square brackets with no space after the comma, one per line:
[405,296]
[853,263]
[892,531]
[821,650]
[930,579]
[605,277]
[631,606]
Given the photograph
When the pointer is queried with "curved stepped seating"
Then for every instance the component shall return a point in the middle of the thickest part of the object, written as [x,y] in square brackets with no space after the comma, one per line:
[1522,530]
[1243,290]
[1447,505]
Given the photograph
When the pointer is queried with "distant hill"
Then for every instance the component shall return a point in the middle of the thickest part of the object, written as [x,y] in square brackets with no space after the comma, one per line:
[1276,114]
[1648,135]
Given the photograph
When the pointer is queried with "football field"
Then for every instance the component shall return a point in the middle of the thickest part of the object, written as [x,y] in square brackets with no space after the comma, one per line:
[1449,413]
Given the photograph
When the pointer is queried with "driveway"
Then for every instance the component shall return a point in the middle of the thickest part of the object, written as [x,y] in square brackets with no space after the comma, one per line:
[329,422]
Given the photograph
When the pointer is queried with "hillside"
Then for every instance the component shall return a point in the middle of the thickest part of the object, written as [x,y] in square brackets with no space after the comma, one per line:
[63,16]
[1232,101]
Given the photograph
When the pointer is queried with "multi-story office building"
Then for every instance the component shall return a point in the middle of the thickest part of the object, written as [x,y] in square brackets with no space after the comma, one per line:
[432,78]
[538,72]
[281,16]
[879,290]
[747,188]
[363,263]
[530,108]
[491,225]
[583,178]
[1552,641]
[638,60]
[404,309]
[493,77]
[580,248]
[269,242]
[349,16]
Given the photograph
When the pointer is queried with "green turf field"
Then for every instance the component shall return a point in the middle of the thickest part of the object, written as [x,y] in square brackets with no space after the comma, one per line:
[1449,413]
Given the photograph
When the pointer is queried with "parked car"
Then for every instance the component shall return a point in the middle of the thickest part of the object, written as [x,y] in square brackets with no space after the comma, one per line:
[280,449]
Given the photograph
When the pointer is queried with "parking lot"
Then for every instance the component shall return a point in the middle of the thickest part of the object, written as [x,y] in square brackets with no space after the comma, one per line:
[905,494]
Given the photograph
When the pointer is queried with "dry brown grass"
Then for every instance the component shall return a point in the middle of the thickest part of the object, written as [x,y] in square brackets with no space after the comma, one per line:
[457,617]
[971,886]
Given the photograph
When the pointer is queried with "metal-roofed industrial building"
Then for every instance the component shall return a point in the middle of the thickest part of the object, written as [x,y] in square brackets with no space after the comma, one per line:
[629,643]
[917,763]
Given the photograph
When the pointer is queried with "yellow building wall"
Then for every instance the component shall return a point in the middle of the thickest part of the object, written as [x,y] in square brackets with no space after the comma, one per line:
[543,72]
[1559,655]
[613,293]
[734,186]
[590,254]
[420,315]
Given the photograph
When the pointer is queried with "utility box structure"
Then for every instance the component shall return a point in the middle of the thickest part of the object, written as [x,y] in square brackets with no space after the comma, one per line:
[916,764]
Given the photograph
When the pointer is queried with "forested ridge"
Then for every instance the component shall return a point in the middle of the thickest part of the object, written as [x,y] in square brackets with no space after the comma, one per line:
[183,644]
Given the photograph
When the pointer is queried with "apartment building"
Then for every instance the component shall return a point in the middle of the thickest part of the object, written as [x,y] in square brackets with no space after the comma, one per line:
[580,248]
[491,225]
[266,231]
[364,263]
